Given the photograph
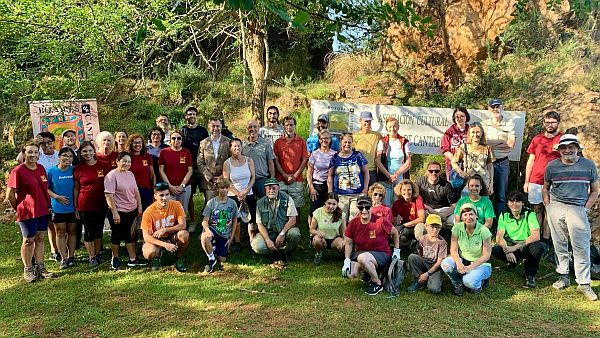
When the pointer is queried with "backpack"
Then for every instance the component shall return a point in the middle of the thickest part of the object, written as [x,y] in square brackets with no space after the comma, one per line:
[393,276]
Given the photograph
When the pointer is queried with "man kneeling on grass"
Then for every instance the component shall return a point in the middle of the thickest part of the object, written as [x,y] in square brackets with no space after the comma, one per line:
[425,266]
[370,237]
[219,225]
[163,227]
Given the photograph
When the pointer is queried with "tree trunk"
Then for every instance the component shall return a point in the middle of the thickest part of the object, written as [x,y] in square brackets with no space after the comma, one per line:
[256,59]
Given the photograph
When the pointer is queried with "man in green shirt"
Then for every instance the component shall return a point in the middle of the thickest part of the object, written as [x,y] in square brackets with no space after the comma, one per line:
[518,237]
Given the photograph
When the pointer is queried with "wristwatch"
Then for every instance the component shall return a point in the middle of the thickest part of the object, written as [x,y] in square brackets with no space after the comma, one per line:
[182,185]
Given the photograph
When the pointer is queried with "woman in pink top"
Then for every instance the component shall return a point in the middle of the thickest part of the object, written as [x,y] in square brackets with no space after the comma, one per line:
[125,204]
[455,136]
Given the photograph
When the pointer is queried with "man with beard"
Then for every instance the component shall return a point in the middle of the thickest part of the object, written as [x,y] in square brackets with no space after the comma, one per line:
[162,121]
[192,134]
[312,143]
[541,150]
[273,130]
[570,190]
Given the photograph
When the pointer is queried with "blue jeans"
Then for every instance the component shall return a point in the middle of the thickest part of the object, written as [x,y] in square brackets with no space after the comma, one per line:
[473,279]
[501,170]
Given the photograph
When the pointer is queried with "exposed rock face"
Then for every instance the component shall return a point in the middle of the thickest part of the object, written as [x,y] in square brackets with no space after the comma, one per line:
[466,29]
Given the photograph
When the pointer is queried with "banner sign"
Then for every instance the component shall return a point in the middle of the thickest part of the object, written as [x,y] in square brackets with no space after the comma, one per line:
[60,115]
[423,126]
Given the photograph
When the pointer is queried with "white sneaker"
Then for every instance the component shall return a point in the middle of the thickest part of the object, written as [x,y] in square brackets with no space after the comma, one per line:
[562,282]
[588,292]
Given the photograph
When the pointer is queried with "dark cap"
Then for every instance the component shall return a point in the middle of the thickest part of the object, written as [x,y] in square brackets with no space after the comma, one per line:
[270,181]
[364,199]
[494,102]
[366,116]
[323,117]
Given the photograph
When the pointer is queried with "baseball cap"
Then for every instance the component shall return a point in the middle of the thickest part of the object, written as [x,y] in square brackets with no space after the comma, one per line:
[366,116]
[433,219]
[364,199]
[66,131]
[270,181]
[323,117]
[468,206]
[567,139]
[494,102]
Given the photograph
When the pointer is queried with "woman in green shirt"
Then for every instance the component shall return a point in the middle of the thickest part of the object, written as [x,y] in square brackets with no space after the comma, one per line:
[470,250]
[518,237]
[327,227]
[478,198]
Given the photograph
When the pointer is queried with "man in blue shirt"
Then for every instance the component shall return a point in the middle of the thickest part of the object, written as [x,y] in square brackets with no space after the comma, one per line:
[312,143]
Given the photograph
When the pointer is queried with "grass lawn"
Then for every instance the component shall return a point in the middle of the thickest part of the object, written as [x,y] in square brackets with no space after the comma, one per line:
[251,298]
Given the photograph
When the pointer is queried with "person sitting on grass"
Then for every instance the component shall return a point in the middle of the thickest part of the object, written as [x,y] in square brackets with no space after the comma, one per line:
[408,211]
[276,220]
[327,227]
[518,237]
[470,251]
[163,228]
[425,266]
[219,225]
[370,239]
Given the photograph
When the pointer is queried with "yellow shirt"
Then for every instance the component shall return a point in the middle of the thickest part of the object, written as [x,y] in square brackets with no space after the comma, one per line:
[366,143]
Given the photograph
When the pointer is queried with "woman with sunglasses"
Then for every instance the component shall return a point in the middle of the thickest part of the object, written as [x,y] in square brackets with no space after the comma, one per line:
[327,227]
[377,194]
[408,211]
[60,189]
[141,167]
[156,138]
[175,169]
[90,203]
[393,159]
[455,136]
[470,251]
[348,176]
[477,157]
[104,144]
[479,199]
[318,169]
[120,141]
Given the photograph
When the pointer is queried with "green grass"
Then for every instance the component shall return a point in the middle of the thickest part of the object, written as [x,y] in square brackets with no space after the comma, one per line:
[250,298]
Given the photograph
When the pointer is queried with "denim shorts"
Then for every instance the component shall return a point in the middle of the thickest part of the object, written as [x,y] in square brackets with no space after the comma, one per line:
[30,227]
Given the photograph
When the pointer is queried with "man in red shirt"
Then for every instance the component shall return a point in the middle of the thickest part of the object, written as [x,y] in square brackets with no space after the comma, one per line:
[292,156]
[541,150]
[370,237]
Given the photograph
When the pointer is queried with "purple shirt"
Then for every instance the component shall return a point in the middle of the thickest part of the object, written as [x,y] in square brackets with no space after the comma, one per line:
[320,162]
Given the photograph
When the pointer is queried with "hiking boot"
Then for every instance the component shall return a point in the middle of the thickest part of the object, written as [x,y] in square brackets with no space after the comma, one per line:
[211,265]
[55,256]
[99,258]
[71,262]
[530,282]
[93,263]
[180,265]
[366,278]
[318,257]
[587,291]
[373,289]
[155,263]
[135,262]
[42,272]
[413,287]
[485,284]
[115,263]
[459,291]
[29,274]
[562,282]
[63,264]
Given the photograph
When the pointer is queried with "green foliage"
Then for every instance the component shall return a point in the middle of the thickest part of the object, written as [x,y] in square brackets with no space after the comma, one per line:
[183,83]
[302,122]
[528,34]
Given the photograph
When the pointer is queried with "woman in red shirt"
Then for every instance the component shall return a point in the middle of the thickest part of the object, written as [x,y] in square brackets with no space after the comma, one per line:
[90,203]
[142,168]
[104,144]
[408,211]
[28,195]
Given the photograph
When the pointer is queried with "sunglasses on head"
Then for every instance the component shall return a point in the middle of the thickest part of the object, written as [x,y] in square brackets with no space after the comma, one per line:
[364,207]
[434,171]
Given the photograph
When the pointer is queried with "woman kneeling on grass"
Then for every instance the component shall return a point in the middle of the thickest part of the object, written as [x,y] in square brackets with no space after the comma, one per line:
[327,227]
[470,251]
[123,199]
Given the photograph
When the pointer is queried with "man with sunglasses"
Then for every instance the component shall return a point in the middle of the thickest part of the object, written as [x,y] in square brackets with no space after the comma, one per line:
[369,236]
[163,227]
[438,197]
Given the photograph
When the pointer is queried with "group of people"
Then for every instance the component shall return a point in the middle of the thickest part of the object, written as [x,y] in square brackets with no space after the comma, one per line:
[360,194]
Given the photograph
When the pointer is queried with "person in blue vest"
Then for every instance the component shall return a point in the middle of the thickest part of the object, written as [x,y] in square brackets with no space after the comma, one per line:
[276,220]
[312,143]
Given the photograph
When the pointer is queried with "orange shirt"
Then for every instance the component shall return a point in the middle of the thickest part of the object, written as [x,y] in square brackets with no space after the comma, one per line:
[155,218]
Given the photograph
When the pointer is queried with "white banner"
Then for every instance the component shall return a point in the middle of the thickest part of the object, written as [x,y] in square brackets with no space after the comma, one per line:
[423,126]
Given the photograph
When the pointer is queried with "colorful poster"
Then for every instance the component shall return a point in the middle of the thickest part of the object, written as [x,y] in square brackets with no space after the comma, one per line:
[59,115]
[422,126]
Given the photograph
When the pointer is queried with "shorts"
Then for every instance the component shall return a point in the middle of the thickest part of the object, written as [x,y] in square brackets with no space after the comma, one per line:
[30,227]
[171,239]
[381,258]
[219,243]
[296,192]
[93,224]
[327,241]
[122,231]
[535,194]
[68,217]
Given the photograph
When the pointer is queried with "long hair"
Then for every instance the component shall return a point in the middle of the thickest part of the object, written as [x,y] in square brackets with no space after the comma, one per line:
[484,189]
[83,145]
[129,144]
[483,140]
[337,213]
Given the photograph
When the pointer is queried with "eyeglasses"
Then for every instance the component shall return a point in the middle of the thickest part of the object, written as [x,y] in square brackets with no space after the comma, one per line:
[138,143]
[155,134]
[434,171]
[365,207]
[176,138]
[378,194]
